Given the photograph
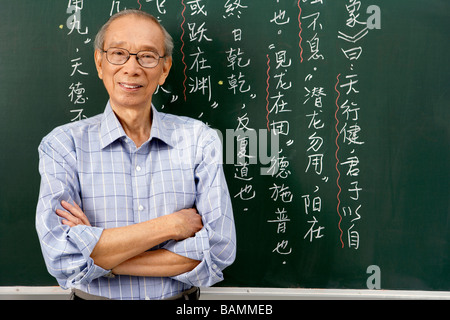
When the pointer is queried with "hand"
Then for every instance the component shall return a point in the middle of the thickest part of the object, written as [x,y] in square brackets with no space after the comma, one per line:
[74,217]
[187,223]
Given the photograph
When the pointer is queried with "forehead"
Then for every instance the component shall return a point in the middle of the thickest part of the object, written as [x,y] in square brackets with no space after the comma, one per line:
[134,31]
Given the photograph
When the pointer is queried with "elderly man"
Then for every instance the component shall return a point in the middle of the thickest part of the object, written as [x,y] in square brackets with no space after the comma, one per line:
[133,203]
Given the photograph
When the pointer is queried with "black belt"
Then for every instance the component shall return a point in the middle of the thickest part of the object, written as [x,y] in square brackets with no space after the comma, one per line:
[190,294]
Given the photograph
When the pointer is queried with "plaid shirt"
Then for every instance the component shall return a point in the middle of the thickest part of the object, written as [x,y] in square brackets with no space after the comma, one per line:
[93,163]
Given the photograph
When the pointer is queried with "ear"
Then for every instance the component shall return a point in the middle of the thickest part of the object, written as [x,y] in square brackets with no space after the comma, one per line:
[165,70]
[98,57]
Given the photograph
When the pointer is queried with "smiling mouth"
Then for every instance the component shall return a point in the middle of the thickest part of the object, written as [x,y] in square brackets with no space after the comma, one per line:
[130,85]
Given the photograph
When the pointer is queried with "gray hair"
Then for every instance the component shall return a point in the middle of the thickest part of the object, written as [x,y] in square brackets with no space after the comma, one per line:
[100,37]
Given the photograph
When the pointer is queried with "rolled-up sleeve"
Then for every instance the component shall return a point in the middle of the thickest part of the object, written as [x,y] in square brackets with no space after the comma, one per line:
[66,250]
[215,245]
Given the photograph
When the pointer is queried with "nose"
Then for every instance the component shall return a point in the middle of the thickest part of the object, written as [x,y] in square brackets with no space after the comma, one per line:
[132,66]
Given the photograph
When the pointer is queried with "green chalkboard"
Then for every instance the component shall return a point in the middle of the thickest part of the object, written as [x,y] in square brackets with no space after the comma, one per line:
[334,117]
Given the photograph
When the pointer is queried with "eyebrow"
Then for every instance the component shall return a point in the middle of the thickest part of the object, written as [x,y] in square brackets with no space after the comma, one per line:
[119,44]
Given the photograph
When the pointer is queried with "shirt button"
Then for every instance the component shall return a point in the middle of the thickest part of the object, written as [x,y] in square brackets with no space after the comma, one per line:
[138,168]
[140,208]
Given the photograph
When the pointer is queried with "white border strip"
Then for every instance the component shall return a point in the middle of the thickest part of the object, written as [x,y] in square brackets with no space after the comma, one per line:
[218,293]
[317,294]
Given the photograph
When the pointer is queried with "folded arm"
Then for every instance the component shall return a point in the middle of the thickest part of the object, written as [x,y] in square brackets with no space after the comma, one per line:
[124,249]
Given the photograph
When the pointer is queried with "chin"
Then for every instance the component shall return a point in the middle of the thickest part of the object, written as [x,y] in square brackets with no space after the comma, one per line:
[129,102]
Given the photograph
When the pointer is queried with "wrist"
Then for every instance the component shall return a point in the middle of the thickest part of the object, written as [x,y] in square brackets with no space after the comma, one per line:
[167,226]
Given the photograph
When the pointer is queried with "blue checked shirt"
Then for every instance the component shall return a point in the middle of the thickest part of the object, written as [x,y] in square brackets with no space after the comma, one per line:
[93,163]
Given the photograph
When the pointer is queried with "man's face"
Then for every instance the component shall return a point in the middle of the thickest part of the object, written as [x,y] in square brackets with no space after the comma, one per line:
[130,85]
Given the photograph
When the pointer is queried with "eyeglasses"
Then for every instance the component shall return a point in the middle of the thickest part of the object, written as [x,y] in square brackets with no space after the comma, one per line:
[119,56]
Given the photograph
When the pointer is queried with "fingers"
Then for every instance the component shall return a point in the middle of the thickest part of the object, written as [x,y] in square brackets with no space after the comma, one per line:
[75,216]
[191,223]
[66,216]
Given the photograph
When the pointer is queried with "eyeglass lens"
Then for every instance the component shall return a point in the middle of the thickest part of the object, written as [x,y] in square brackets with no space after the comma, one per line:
[119,56]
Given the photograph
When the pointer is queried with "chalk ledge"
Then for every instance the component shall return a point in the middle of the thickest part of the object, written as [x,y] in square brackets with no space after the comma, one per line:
[231,293]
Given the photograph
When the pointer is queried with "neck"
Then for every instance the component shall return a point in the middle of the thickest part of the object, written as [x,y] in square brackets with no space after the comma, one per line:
[136,123]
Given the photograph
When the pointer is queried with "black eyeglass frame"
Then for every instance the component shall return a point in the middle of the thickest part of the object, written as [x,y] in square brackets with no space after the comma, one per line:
[133,54]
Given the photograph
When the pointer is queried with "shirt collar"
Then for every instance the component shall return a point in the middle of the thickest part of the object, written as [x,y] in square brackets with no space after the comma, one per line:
[111,129]
[160,128]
